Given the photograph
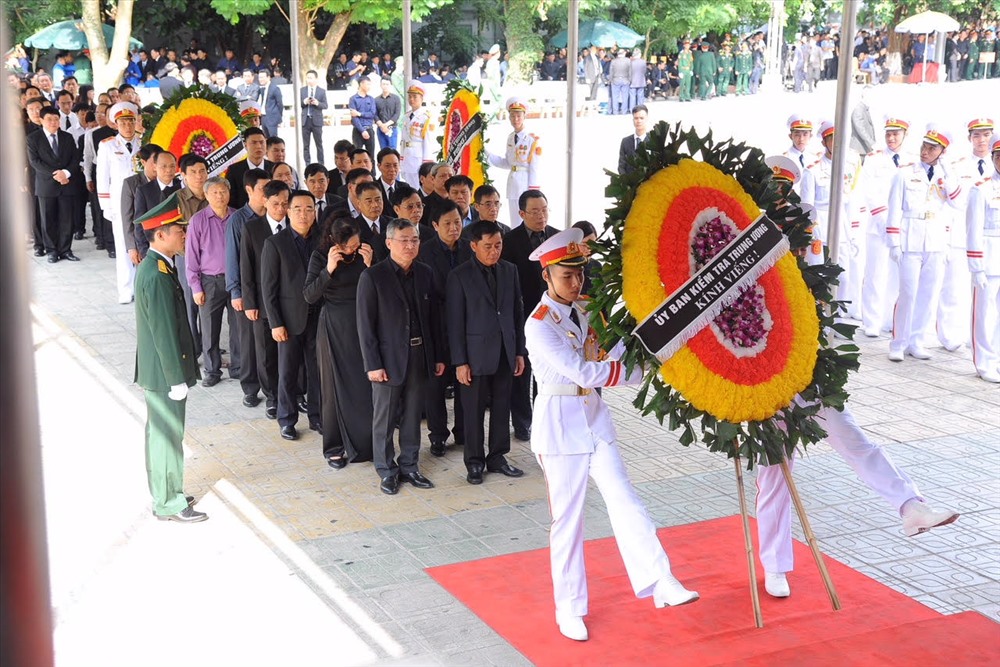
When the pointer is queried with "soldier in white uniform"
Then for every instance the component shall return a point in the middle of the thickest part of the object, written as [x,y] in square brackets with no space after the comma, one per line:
[574,438]
[955,305]
[115,163]
[522,157]
[416,139]
[917,232]
[251,110]
[800,131]
[881,281]
[983,240]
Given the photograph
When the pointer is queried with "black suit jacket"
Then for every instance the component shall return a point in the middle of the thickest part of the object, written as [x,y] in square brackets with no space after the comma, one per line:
[272,104]
[467,233]
[235,174]
[255,234]
[516,248]
[477,326]
[626,152]
[384,321]
[385,195]
[368,236]
[147,197]
[312,113]
[44,161]
[282,279]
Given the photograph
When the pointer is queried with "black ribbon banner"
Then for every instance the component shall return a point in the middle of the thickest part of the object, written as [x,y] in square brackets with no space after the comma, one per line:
[225,155]
[695,303]
[462,139]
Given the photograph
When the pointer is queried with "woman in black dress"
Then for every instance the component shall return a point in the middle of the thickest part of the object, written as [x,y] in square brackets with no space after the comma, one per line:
[334,270]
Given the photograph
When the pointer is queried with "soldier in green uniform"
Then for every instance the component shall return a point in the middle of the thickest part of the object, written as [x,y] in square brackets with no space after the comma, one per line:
[165,361]
[973,69]
[744,65]
[725,74]
[685,71]
[706,69]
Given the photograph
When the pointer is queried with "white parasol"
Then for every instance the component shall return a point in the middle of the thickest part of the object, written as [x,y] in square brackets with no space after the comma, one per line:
[926,23]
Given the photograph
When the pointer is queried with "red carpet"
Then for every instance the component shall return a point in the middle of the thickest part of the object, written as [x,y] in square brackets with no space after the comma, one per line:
[877,626]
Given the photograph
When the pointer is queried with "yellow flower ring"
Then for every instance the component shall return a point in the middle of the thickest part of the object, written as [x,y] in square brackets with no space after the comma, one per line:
[464,106]
[730,382]
[194,125]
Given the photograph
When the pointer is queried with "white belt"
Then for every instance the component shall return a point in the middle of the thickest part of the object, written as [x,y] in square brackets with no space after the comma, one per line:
[929,215]
[553,389]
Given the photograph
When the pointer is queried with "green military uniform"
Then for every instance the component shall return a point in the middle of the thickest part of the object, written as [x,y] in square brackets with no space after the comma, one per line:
[705,68]
[164,358]
[973,69]
[685,69]
[744,64]
[725,74]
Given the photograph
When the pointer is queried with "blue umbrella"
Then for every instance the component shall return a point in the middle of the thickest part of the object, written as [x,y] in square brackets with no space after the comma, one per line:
[69,36]
[603,34]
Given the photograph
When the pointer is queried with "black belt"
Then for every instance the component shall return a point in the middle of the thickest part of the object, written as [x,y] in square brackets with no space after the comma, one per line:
[414,342]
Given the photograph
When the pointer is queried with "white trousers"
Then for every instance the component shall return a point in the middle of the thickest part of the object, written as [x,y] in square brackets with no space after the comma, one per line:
[406,175]
[852,257]
[124,269]
[517,182]
[869,462]
[954,309]
[986,326]
[566,481]
[920,275]
[881,283]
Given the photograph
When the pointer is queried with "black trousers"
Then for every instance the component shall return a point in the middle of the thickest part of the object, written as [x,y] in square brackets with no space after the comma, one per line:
[37,235]
[313,127]
[436,408]
[80,211]
[474,397]
[520,400]
[193,318]
[267,360]
[368,144]
[404,402]
[210,316]
[57,223]
[298,349]
[249,381]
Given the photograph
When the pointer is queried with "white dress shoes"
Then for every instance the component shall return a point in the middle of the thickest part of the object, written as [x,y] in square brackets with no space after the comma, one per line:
[895,355]
[572,627]
[919,517]
[918,352]
[990,377]
[776,585]
[669,593]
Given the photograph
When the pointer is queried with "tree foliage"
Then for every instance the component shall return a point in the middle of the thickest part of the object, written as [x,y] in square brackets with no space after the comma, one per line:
[663,22]
[26,17]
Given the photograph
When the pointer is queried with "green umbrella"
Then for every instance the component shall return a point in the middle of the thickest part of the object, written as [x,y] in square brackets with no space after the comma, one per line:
[69,36]
[601,33]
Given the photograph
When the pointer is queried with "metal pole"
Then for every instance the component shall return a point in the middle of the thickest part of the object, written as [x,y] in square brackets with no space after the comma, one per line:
[293,14]
[25,606]
[842,122]
[773,79]
[572,46]
[407,47]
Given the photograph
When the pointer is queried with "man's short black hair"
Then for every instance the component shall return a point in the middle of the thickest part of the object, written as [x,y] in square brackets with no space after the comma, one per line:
[447,206]
[640,107]
[480,228]
[264,70]
[457,180]
[401,193]
[253,177]
[64,93]
[147,151]
[314,168]
[354,174]
[274,141]
[275,187]
[388,150]
[189,159]
[343,146]
[526,196]
[425,169]
[49,111]
[362,188]
[484,191]
[252,131]
[358,151]
[300,193]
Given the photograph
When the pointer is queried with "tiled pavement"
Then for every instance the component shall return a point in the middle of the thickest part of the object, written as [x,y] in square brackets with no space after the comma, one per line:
[360,556]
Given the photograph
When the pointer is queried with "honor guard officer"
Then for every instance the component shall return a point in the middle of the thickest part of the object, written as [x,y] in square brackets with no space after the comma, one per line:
[575,439]
[800,131]
[983,240]
[522,157]
[917,232]
[416,141]
[250,110]
[881,280]
[115,163]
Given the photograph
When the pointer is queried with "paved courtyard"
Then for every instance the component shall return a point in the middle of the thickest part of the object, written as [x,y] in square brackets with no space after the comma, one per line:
[303,565]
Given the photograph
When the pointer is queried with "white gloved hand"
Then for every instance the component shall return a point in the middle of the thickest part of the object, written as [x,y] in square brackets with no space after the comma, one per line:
[895,254]
[979,279]
[178,392]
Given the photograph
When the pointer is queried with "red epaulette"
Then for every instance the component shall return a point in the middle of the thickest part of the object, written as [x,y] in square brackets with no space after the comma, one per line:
[540,312]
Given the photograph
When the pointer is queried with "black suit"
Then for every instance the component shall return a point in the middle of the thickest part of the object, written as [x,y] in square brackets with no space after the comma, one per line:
[626,152]
[431,203]
[331,202]
[467,234]
[283,277]
[147,197]
[238,193]
[377,242]
[270,100]
[386,322]
[385,193]
[256,232]
[486,332]
[337,181]
[517,245]
[312,121]
[56,202]
[435,254]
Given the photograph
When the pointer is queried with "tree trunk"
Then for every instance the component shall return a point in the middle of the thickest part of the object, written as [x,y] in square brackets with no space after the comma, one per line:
[894,57]
[317,54]
[108,66]
[523,44]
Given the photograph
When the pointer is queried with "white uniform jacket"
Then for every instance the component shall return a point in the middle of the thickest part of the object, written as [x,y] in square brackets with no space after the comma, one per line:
[570,424]
[523,158]
[416,140]
[114,165]
[918,221]
[966,169]
[983,227]
[876,178]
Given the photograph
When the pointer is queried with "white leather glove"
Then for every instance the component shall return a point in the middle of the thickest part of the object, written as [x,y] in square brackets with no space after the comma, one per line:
[895,254]
[178,392]
[979,279]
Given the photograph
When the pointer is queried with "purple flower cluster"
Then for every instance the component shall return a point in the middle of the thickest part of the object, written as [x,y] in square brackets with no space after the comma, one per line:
[742,321]
[202,145]
[711,237]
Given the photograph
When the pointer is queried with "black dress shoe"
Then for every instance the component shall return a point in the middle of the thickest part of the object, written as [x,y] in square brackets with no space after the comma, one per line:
[251,400]
[303,405]
[316,426]
[189,499]
[475,476]
[79,236]
[337,462]
[69,256]
[417,480]
[508,470]
[53,258]
[389,485]
[289,433]
[523,436]
[186,515]
[40,252]
[99,246]
[112,254]
[437,448]
[211,381]
[271,412]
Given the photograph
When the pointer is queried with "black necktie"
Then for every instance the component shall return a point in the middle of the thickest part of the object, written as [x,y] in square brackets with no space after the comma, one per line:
[802,159]
[895,159]
[375,228]
[319,210]
[930,172]
[637,140]
[491,281]
[981,161]
[128,147]
[388,190]
[55,144]
[278,228]
[516,138]
[536,239]
[68,125]
[411,114]
[573,316]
